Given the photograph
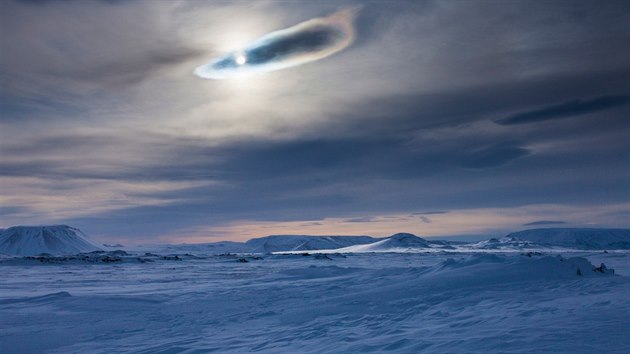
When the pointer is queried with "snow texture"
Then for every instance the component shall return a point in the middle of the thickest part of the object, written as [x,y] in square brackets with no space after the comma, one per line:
[529,292]
[364,302]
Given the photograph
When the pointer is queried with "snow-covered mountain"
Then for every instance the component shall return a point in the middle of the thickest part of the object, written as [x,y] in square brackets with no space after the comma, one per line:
[565,238]
[395,243]
[583,239]
[560,238]
[33,240]
[267,244]
[280,243]
[503,243]
[64,240]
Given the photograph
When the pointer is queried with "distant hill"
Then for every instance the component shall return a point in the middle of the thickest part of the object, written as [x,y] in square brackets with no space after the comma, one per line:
[34,240]
[64,240]
[582,239]
[394,243]
[279,243]
[558,238]
[268,244]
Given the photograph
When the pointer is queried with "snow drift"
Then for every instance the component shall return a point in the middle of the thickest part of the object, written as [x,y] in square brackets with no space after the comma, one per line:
[497,268]
[55,240]
[417,302]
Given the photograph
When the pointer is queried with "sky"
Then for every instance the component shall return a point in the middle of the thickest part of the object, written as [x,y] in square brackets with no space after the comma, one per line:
[432,117]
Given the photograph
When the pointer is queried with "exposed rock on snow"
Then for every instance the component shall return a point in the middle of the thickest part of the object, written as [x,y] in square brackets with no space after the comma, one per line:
[525,267]
[53,240]
[95,257]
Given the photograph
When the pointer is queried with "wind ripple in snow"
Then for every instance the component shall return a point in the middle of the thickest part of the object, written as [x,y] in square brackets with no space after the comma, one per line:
[361,303]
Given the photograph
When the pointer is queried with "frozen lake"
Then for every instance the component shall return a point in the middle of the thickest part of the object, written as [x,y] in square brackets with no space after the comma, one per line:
[388,302]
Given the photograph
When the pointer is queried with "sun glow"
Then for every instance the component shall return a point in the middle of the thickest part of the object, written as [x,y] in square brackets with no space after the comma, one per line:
[303,43]
[240,59]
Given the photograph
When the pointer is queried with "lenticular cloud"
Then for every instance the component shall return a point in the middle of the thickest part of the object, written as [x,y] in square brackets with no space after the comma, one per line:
[303,43]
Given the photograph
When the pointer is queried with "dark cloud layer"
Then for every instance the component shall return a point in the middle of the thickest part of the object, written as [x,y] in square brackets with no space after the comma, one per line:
[567,109]
[493,156]
[312,40]
[436,212]
[363,219]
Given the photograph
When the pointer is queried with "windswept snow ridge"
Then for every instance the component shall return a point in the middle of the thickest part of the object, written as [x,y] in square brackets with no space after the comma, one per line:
[34,240]
[357,303]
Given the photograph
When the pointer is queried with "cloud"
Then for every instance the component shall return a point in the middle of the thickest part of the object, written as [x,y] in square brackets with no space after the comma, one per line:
[303,43]
[52,200]
[99,101]
[478,221]
[544,222]
[130,71]
[363,219]
[72,49]
[433,212]
[494,156]
[567,109]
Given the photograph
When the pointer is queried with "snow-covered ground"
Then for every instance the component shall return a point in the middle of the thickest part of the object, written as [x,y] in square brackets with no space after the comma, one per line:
[435,302]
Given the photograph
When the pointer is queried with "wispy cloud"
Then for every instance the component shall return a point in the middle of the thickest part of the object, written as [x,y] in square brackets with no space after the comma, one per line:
[544,222]
[425,219]
[433,212]
[51,200]
[493,156]
[567,109]
[363,219]
[479,221]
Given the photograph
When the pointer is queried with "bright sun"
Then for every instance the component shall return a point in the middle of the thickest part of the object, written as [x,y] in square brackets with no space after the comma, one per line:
[241,59]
